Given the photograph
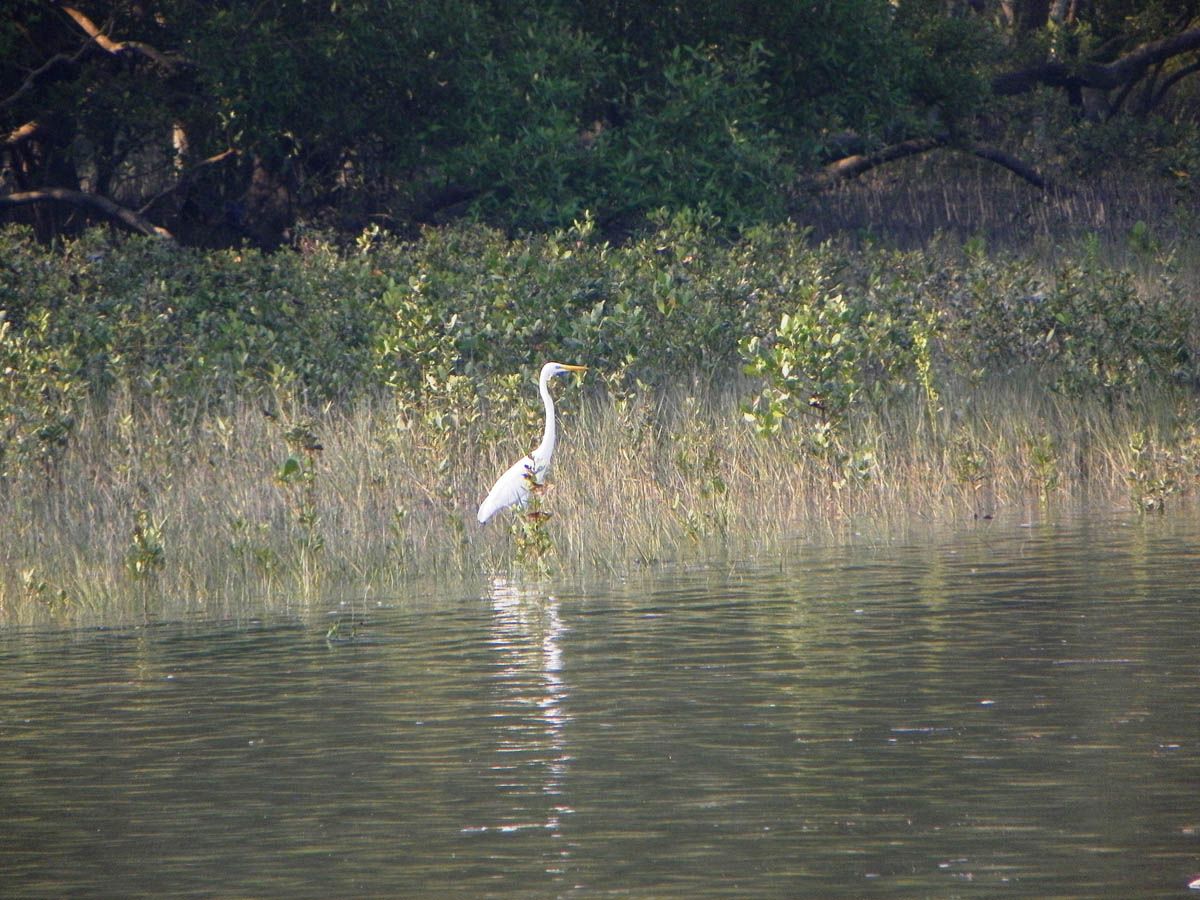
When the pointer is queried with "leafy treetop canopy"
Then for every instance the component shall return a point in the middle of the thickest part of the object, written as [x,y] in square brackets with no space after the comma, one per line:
[234,121]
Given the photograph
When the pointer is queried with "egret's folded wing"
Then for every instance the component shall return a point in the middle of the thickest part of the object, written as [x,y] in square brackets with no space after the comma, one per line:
[510,489]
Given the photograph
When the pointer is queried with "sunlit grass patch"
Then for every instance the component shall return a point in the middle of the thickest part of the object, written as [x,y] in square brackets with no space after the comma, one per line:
[146,519]
[159,460]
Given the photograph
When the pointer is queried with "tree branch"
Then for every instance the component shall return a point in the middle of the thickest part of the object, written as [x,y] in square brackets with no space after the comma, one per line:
[1051,73]
[31,79]
[29,130]
[186,178]
[1102,76]
[1175,78]
[1133,65]
[112,210]
[116,48]
[1014,165]
[853,166]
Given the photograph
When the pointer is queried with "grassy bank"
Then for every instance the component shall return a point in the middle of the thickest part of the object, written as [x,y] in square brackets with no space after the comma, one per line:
[216,433]
[145,518]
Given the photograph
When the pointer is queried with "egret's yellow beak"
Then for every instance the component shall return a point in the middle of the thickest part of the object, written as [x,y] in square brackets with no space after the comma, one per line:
[574,368]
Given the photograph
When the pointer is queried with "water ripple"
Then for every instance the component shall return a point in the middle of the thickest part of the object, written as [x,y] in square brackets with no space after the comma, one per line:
[1010,709]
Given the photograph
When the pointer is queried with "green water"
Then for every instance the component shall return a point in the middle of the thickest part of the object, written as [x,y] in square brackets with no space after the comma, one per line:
[1002,711]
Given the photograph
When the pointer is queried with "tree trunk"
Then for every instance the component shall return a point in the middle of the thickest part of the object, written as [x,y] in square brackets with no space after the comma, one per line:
[53,197]
[1032,15]
[268,205]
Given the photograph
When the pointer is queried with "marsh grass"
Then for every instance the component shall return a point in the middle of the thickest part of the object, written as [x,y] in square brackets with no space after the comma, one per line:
[150,474]
[1137,216]
[147,517]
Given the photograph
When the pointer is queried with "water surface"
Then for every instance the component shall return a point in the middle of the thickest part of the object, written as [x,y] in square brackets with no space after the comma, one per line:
[1003,711]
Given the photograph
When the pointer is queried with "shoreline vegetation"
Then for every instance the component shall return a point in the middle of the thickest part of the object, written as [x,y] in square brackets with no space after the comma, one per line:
[217,433]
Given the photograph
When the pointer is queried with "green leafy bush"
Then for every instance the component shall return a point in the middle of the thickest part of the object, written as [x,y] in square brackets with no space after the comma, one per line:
[454,324]
[1087,326]
[700,138]
[831,353]
[524,151]
[41,390]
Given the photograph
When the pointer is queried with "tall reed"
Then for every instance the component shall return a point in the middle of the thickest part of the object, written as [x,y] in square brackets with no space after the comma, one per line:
[149,516]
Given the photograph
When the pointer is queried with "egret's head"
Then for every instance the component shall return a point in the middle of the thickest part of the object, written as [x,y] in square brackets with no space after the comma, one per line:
[550,369]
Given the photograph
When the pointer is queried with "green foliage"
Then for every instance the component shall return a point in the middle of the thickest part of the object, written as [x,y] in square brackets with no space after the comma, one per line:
[454,326]
[945,64]
[40,593]
[175,322]
[532,543]
[1150,482]
[524,149]
[340,114]
[1089,328]
[320,400]
[699,138]
[1156,146]
[1163,468]
[811,366]
[970,459]
[1106,337]
[1044,453]
[147,549]
[41,389]
[831,353]
[297,475]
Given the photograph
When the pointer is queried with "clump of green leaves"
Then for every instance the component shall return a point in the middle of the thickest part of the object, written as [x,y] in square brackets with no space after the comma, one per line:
[41,391]
[39,592]
[531,539]
[972,463]
[702,137]
[810,367]
[1161,469]
[832,353]
[147,553]
[1043,451]
[1090,328]
[1106,336]
[298,476]
[1150,481]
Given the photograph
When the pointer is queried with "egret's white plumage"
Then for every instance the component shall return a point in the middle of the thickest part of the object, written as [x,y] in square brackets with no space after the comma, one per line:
[512,488]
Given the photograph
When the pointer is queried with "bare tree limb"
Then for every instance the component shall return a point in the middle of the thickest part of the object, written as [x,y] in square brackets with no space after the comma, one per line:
[112,210]
[1102,76]
[1017,167]
[29,130]
[1114,106]
[1175,78]
[31,79]
[1133,65]
[186,178]
[95,36]
[853,166]
[116,48]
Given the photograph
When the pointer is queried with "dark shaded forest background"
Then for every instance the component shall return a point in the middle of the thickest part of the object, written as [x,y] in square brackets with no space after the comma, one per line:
[220,124]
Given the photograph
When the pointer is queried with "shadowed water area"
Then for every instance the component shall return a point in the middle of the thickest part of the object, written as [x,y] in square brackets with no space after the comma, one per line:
[998,711]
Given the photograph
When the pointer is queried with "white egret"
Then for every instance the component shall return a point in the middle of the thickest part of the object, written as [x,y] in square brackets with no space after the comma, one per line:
[512,488]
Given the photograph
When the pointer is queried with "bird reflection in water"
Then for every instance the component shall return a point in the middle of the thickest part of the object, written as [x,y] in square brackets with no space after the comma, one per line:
[527,635]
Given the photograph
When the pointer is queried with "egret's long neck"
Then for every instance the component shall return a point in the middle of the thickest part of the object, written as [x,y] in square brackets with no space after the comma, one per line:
[546,448]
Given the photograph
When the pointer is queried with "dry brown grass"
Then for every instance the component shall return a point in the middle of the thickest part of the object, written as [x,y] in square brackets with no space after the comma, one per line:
[907,202]
[647,478]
